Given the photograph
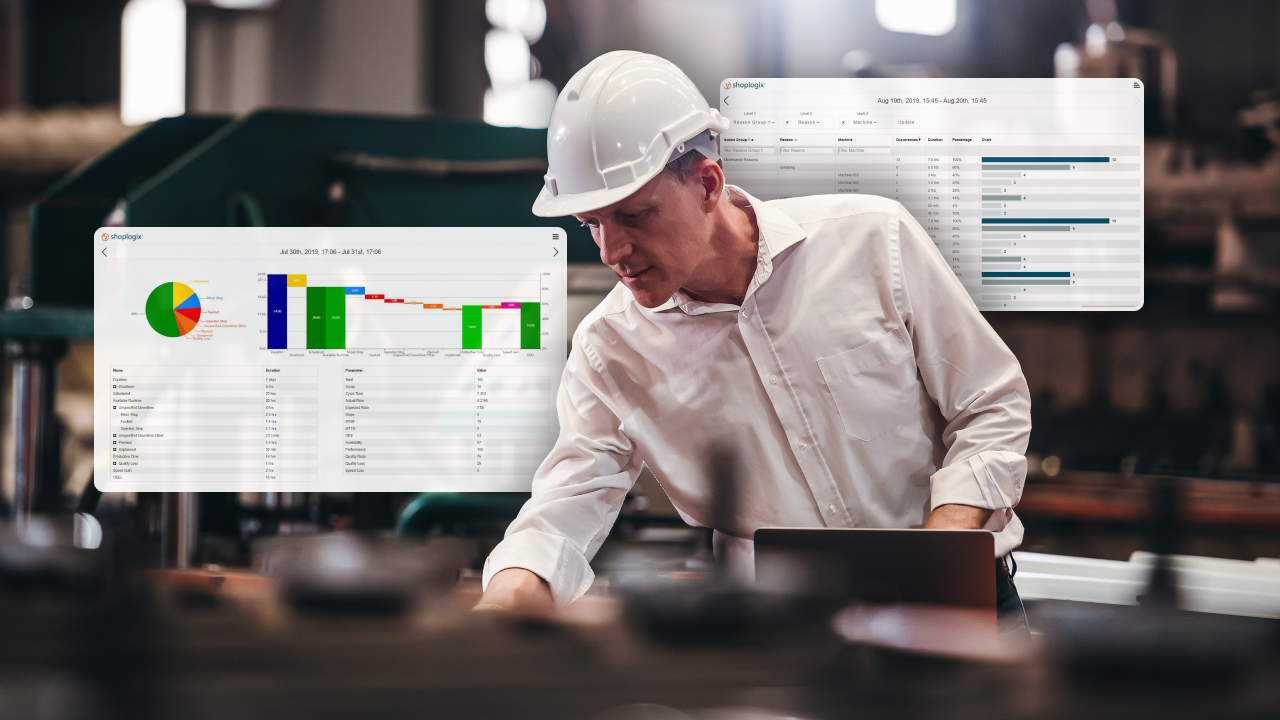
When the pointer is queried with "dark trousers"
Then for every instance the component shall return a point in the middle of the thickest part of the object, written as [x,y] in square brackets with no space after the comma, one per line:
[1011,616]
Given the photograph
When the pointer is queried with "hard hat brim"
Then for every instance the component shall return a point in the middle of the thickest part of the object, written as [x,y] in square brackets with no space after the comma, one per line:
[548,205]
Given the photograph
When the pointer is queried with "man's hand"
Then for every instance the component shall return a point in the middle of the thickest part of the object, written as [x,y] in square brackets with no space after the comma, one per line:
[518,591]
[957,517]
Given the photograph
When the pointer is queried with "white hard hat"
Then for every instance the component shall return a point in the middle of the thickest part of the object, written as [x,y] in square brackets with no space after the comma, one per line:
[615,125]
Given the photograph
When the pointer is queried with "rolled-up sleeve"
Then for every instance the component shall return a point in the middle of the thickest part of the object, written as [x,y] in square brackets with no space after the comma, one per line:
[976,382]
[577,491]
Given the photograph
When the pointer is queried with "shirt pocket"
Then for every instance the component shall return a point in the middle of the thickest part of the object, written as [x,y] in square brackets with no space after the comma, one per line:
[874,386]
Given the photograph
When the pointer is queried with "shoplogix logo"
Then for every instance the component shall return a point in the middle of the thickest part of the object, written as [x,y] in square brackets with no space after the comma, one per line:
[120,236]
[743,85]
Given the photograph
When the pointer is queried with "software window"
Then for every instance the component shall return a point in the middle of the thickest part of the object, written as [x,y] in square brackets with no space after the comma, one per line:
[1032,189]
[326,359]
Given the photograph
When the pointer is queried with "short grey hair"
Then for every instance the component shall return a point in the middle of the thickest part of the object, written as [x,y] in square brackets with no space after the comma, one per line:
[691,152]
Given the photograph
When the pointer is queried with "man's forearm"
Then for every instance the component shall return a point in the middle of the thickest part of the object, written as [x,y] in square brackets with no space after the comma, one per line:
[519,591]
[957,517]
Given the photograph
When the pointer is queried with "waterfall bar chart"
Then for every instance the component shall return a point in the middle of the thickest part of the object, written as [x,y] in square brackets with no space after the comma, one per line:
[303,314]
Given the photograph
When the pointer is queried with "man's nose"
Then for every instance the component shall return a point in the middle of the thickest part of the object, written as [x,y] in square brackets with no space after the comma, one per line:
[614,246]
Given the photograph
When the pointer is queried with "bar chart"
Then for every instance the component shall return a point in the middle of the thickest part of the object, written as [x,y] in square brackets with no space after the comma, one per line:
[396,311]
[1031,189]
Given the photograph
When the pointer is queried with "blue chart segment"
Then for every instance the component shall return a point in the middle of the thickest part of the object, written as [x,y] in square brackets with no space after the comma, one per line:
[277,312]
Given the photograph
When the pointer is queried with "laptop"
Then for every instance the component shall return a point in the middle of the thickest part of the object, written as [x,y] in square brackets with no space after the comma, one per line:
[939,567]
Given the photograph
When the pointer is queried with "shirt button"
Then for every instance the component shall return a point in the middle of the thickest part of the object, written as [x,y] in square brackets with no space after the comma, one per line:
[773,379]
[746,313]
[802,445]
[831,509]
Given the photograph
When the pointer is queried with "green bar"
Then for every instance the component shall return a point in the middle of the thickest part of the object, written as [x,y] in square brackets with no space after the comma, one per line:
[315,318]
[471,327]
[335,318]
[530,326]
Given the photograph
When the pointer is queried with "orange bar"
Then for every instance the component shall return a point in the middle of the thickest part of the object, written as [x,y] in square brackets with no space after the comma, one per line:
[491,307]
[429,306]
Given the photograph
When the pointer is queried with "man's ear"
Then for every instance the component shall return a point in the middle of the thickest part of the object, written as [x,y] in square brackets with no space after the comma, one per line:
[711,175]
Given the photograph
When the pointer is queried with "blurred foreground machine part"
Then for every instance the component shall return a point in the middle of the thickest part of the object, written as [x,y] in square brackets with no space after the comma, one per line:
[233,645]
[344,625]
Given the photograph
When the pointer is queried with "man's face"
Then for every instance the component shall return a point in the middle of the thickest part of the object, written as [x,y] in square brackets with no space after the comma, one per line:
[656,239]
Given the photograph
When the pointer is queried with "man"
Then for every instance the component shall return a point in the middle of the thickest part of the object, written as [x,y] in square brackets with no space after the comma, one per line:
[825,337]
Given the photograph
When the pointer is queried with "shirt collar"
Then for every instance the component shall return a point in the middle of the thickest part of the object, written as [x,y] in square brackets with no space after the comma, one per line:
[777,233]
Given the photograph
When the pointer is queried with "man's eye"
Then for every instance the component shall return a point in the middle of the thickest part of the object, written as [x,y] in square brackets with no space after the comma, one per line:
[630,216]
[590,223]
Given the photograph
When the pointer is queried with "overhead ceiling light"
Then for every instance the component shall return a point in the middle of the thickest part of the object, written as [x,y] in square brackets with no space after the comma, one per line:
[517,98]
[153,60]
[855,60]
[918,17]
[528,17]
[506,57]
[1066,61]
[527,106]
[1095,41]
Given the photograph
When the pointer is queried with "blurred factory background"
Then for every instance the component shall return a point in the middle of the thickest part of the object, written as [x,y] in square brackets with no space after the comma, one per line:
[1156,430]
[1188,386]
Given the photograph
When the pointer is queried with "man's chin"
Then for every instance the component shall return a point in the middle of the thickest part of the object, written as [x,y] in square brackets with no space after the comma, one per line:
[650,297]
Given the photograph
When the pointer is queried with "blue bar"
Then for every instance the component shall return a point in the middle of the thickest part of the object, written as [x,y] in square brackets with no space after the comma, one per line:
[1026,274]
[277,312]
[1046,159]
[1046,221]
[355,291]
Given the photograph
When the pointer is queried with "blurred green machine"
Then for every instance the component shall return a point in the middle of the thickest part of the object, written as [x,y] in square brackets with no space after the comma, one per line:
[270,168]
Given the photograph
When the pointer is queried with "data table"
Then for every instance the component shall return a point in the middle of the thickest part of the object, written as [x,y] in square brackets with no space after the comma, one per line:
[448,421]
[1031,189]
[210,424]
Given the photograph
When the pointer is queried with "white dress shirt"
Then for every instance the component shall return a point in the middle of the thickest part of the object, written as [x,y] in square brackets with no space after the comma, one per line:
[857,385]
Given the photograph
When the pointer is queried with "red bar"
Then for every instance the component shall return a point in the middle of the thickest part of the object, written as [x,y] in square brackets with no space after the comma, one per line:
[374,297]
[394,300]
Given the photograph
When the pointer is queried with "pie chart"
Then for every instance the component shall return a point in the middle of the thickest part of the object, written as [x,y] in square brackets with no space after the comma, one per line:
[173,309]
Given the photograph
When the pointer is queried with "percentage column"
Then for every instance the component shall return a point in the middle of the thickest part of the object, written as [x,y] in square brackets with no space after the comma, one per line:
[963,248]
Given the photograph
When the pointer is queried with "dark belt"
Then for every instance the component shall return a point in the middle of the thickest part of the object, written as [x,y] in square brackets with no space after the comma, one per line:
[1004,571]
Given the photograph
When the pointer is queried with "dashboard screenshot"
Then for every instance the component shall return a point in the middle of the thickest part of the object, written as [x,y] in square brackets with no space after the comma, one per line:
[326,359]
[1031,189]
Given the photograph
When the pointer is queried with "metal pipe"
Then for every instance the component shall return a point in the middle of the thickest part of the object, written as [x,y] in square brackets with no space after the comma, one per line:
[25,432]
[34,367]
[179,529]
